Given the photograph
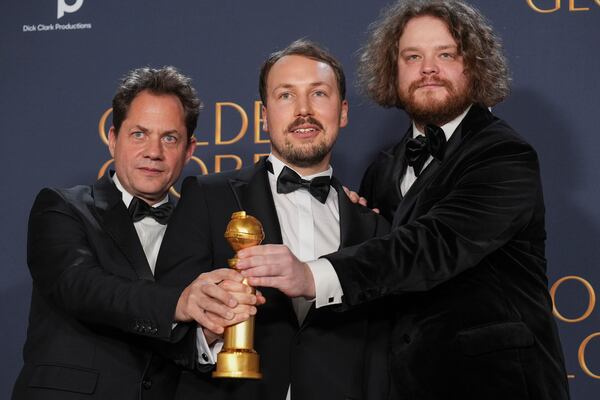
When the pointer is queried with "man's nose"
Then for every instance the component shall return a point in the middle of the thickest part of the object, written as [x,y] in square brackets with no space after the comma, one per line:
[154,149]
[303,106]
[429,66]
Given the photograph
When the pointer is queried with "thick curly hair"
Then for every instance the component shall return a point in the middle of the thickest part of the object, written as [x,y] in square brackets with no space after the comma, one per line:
[485,64]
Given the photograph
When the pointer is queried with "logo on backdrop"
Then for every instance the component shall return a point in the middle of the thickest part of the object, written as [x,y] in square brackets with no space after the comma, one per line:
[551,6]
[63,8]
[579,288]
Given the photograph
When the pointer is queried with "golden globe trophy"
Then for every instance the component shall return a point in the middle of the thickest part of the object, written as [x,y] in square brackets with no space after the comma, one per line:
[238,359]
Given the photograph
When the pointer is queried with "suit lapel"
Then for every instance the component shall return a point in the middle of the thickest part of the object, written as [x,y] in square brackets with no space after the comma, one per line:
[162,265]
[355,227]
[253,194]
[410,197]
[115,220]
[476,118]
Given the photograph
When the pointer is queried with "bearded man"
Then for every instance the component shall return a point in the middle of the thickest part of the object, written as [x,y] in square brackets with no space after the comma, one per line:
[463,268]
[305,353]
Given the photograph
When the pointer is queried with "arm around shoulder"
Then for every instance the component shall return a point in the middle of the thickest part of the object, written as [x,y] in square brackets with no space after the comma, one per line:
[487,198]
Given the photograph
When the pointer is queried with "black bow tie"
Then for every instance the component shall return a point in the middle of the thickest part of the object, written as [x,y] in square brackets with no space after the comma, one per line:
[289,181]
[420,148]
[139,209]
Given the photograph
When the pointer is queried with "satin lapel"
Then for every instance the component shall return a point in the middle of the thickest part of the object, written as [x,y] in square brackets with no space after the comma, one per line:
[161,264]
[115,220]
[475,120]
[254,196]
[399,164]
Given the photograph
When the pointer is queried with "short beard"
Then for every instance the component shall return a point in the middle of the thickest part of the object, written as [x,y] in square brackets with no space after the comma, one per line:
[435,112]
[303,157]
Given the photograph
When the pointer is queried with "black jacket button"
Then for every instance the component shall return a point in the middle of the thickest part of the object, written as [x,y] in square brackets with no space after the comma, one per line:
[147,383]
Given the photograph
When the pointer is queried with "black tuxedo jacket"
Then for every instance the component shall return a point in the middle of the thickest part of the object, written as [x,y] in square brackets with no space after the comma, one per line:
[332,355]
[466,258]
[100,324]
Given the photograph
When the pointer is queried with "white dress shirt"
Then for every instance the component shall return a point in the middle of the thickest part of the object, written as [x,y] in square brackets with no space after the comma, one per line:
[309,228]
[328,291]
[150,232]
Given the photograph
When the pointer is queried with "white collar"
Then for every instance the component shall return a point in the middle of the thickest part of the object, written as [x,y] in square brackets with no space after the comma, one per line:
[127,197]
[448,128]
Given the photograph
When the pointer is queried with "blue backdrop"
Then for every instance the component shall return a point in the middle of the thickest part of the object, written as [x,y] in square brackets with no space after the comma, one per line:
[60,61]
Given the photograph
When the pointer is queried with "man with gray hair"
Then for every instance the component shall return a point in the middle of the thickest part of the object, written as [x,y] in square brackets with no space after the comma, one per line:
[463,270]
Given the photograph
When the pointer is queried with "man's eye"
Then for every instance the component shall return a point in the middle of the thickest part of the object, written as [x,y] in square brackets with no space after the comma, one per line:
[447,55]
[412,57]
[138,134]
[285,95]
[170,139]
[320,93]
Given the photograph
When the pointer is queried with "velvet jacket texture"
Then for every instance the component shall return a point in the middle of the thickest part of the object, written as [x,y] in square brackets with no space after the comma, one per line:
[100,324]
[464,270]
[331,355]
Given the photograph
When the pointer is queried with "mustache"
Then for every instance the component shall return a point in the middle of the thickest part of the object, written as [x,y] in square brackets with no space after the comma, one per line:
[304,120]
[424,81]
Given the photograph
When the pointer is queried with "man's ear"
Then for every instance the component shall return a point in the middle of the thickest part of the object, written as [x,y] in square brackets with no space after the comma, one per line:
[112,140]
[190,148]
[344,114]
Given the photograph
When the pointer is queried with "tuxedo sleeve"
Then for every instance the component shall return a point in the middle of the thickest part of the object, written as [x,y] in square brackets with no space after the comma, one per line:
[493,195]
[67,272]
[190,251]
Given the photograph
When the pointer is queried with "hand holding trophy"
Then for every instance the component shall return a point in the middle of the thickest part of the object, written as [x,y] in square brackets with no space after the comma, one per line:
[238,359]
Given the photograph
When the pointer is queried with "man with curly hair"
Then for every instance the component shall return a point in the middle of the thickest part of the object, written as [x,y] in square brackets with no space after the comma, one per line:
[463,269]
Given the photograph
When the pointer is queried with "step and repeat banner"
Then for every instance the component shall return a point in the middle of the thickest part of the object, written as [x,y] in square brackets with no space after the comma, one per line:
[60,62]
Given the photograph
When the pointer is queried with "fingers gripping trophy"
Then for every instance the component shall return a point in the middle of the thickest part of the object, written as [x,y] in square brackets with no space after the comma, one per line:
[238,359]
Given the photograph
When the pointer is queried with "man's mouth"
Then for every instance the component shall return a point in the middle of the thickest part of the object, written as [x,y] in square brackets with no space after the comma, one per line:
[305,130]
[305,127]
[431,84]
[150,170]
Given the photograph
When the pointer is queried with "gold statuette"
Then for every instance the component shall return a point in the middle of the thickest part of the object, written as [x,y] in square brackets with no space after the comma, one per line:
[238,359]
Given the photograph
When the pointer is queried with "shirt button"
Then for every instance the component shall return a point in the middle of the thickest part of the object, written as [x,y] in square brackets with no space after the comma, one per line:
[205,357]
[147,383]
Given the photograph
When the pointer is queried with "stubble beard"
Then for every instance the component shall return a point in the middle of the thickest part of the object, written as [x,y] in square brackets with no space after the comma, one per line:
[304,156]
[426,110]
